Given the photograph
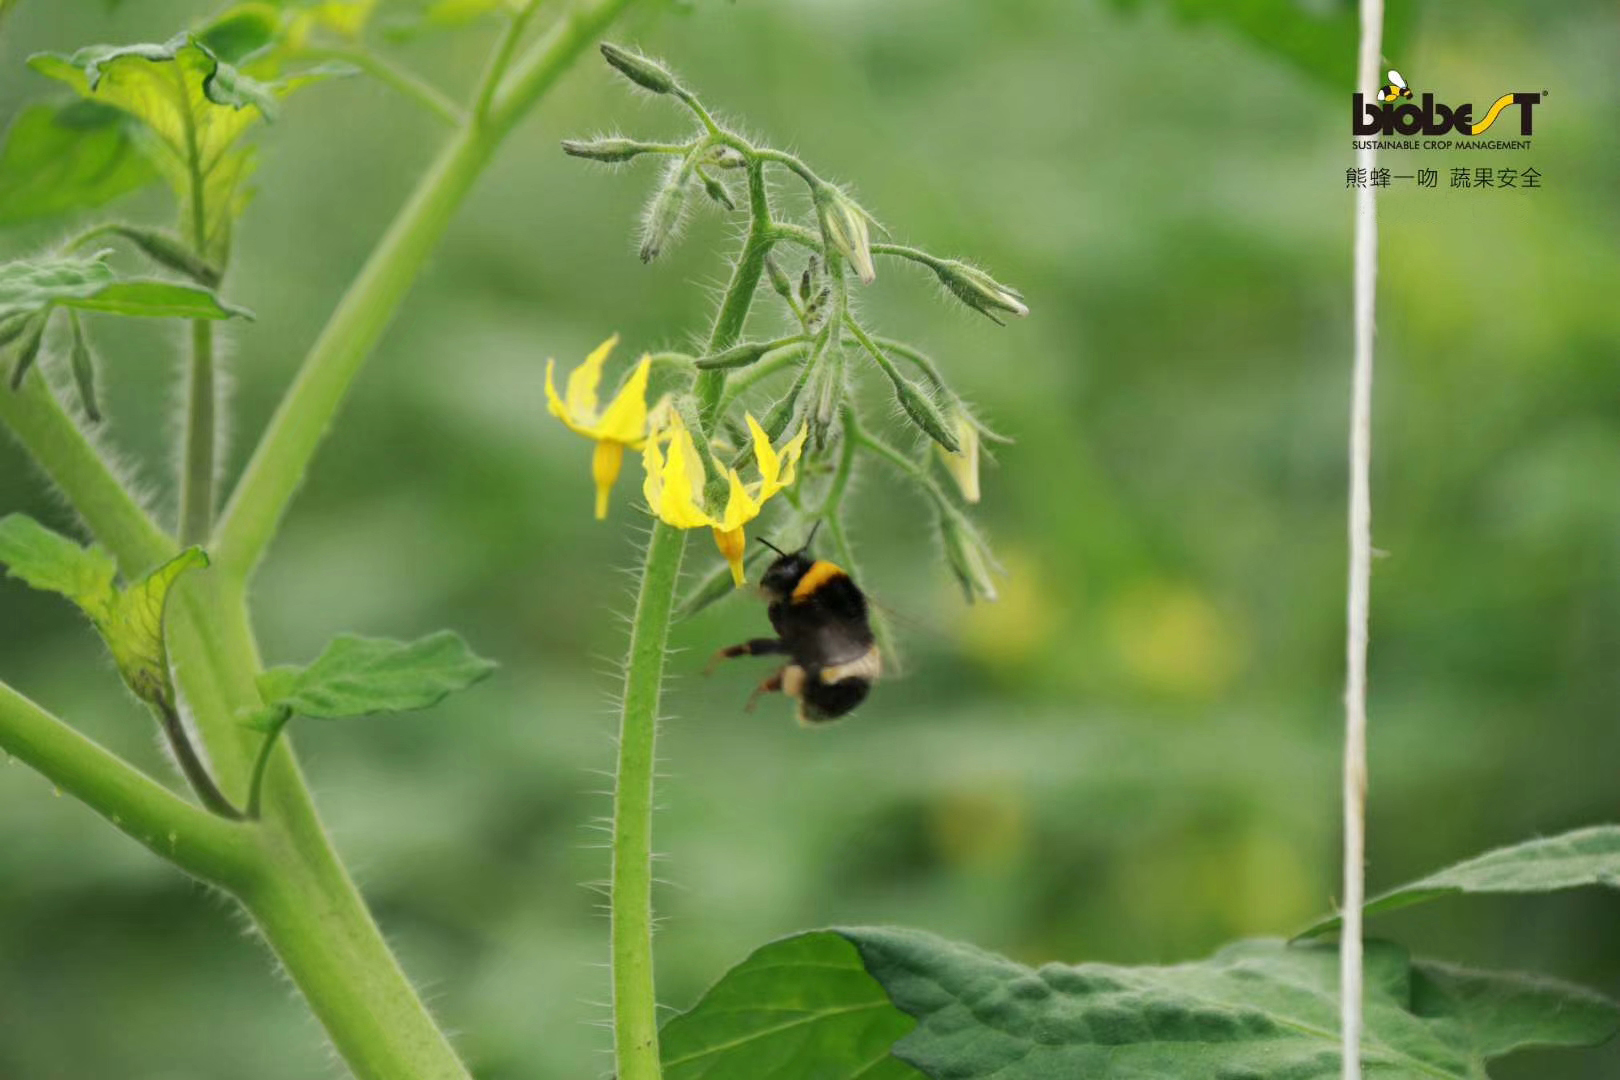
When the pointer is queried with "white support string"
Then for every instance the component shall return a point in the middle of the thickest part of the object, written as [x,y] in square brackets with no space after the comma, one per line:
[1355,691]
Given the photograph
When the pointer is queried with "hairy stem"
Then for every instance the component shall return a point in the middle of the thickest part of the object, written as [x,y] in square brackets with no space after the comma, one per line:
[197,468]
[299,424]
[198,842]
[61,449]
[733,314]
[1360,575]
[635,1002]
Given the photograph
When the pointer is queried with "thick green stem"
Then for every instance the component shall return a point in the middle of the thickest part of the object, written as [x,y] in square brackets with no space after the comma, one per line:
[198,842]
[315,920]
[53,440]
[197,469]
[635,1009]
[295,432]
[306,412]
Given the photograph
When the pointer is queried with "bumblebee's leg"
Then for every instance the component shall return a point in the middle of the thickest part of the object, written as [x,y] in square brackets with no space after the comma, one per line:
[772,685]
[760,646]
[787,680]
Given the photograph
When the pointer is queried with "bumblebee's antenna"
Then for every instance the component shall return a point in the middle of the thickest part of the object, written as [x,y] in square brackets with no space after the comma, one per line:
[772,546]
[812,537]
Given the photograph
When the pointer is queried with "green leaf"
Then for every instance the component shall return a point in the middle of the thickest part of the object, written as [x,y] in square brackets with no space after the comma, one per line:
[49,561]
[358,676]
[1257,1010]
[1575,859]
[801,1007]
[90,284]
[241,31]
[133,628]
[57,159]
[1501,1013]
[130,620]
[194,110]
[1319,37]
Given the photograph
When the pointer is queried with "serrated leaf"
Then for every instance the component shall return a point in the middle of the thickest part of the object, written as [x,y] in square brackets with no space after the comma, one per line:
[241,31]
[1573,860]
[804,1006]
[1500,1013]
[358,676]
[1257,1010]
[1317,36]
[193,109]
[90,284]
[57,159]
[130,620]
[49,561]
[133,628]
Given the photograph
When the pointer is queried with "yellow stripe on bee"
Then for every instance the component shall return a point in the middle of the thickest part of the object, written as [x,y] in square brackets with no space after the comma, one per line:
[819,574]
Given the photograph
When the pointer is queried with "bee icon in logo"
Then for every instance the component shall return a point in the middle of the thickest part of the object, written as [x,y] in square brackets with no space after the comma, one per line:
[1395,89]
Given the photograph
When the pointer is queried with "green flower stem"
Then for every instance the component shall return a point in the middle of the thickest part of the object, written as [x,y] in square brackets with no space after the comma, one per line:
[502,59]
[295,432]
[408,83]
[198,842]
[635,1009]
[52,438]
[635,997]
[774,363]
[197,470]
[733,314]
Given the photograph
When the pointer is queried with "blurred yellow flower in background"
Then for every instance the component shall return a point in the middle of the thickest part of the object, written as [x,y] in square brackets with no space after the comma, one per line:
[675,485]
[623,423]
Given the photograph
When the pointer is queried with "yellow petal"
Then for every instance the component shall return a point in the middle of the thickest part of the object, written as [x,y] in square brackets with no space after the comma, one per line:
[964,464]
[732,543]
[770,466]
[652,484]
[605,465]
[740,506]
[625,420]
[582,382]
[789,456]
[680,500]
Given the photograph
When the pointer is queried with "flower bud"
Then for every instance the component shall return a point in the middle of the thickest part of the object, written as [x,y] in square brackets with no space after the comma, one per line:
[27,348]
[978,290]
[726,157]
[843,226]
[645,72]
[665,214]
[970,558]
[716,191]
[963,465]
[924,413]
[779,279]
[613,149]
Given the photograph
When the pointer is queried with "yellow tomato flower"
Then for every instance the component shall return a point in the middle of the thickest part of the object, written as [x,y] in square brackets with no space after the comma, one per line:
[675,483]
[623,423]
[963,464]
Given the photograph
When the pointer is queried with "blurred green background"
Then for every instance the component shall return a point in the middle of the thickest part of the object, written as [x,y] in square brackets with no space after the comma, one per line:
[1132,757]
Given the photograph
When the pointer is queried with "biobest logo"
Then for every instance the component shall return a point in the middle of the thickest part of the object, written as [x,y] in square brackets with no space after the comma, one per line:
[1392,112]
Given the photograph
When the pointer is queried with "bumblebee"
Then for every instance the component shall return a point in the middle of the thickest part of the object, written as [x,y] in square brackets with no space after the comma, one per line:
[823,628]
[1395,89]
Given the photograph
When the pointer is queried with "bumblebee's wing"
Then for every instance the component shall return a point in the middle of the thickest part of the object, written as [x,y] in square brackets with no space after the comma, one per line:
[1396,80]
